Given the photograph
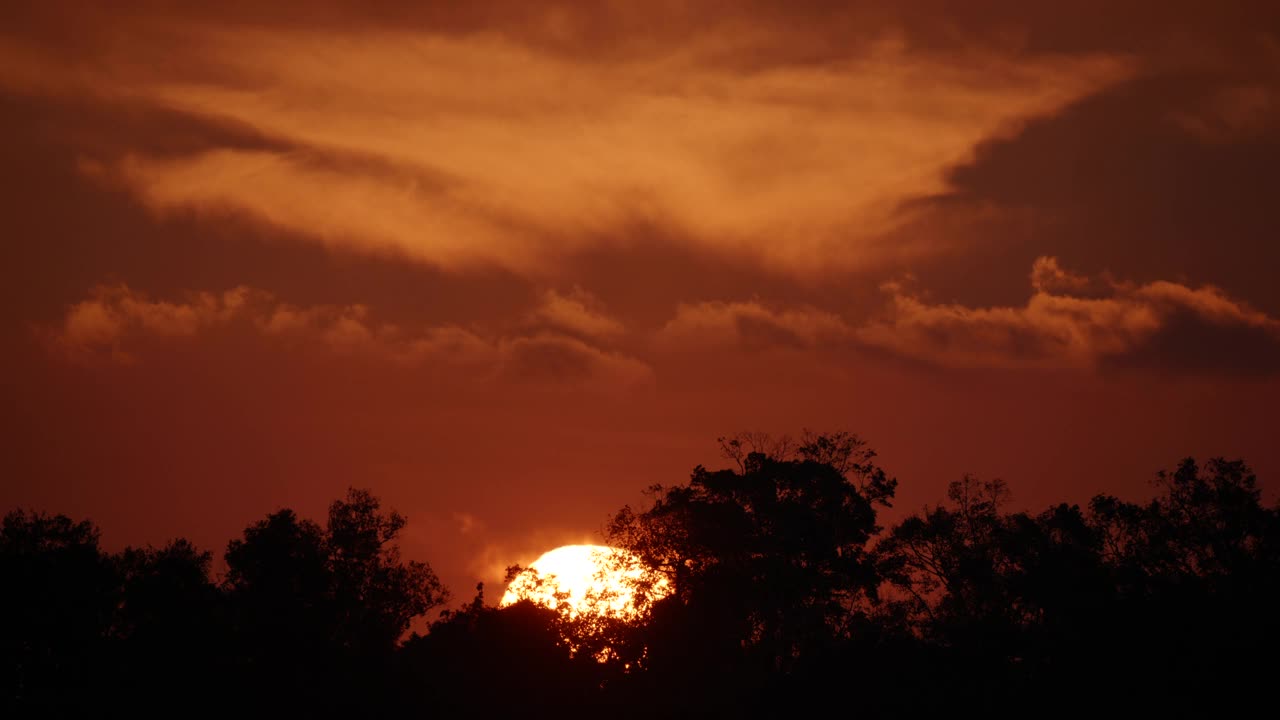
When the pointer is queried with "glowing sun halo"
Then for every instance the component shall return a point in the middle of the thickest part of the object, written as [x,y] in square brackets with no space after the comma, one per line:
[590,578]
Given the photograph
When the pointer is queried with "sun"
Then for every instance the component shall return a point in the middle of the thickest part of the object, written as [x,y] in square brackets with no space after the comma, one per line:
[589,579]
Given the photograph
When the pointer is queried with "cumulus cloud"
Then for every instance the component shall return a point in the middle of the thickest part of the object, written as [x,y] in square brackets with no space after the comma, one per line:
[101,323]
[1159,325]
[114,320]
[1048,276]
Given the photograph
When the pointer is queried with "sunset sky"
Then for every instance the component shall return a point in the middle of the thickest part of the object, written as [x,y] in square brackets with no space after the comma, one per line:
[508,263]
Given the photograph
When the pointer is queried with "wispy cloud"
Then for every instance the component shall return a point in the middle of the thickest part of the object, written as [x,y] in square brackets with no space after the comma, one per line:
[478,150]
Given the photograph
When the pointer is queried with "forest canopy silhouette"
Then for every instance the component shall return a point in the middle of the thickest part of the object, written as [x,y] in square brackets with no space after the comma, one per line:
[788,593]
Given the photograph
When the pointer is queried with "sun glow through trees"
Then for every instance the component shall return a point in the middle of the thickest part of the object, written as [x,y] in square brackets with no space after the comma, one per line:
[589,579]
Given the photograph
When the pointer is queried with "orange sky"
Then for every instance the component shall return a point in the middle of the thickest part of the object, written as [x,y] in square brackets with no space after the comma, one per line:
[509,263]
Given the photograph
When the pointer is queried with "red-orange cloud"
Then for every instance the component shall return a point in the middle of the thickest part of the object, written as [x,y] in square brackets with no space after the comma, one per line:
[481,151]
[1077,322]
[749,325]
[114,320]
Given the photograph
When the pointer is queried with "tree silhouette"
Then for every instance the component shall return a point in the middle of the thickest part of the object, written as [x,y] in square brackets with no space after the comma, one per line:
[788,599]
[1197,578]
[493,662]
[171,627]
[59,593]
[767,562]
[1152,605]
[375,592]
[949,561]
[324,607]
[277,585]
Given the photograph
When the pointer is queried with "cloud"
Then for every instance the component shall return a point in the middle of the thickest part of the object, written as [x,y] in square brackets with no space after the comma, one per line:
[1048,276]
[115,320]
[1070,321]
[558,359]
[749,325]
[1234,113]
[578,313]
[389,212]
[480,150]
[101,323]
[1160,325]
[1117,181]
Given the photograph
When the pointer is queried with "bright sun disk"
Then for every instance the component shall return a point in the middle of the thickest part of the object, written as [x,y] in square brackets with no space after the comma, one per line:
[589,579]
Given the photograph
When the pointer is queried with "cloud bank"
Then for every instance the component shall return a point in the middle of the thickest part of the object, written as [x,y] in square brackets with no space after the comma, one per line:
[1071,321]
[114,321]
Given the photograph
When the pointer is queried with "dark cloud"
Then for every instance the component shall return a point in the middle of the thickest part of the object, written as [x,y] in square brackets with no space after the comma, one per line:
[828,25]
[561,360]
[1119,182]
[1189,342]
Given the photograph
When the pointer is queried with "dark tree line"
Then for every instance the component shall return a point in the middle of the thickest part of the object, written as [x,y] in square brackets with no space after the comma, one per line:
[307,621]
[789,598]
